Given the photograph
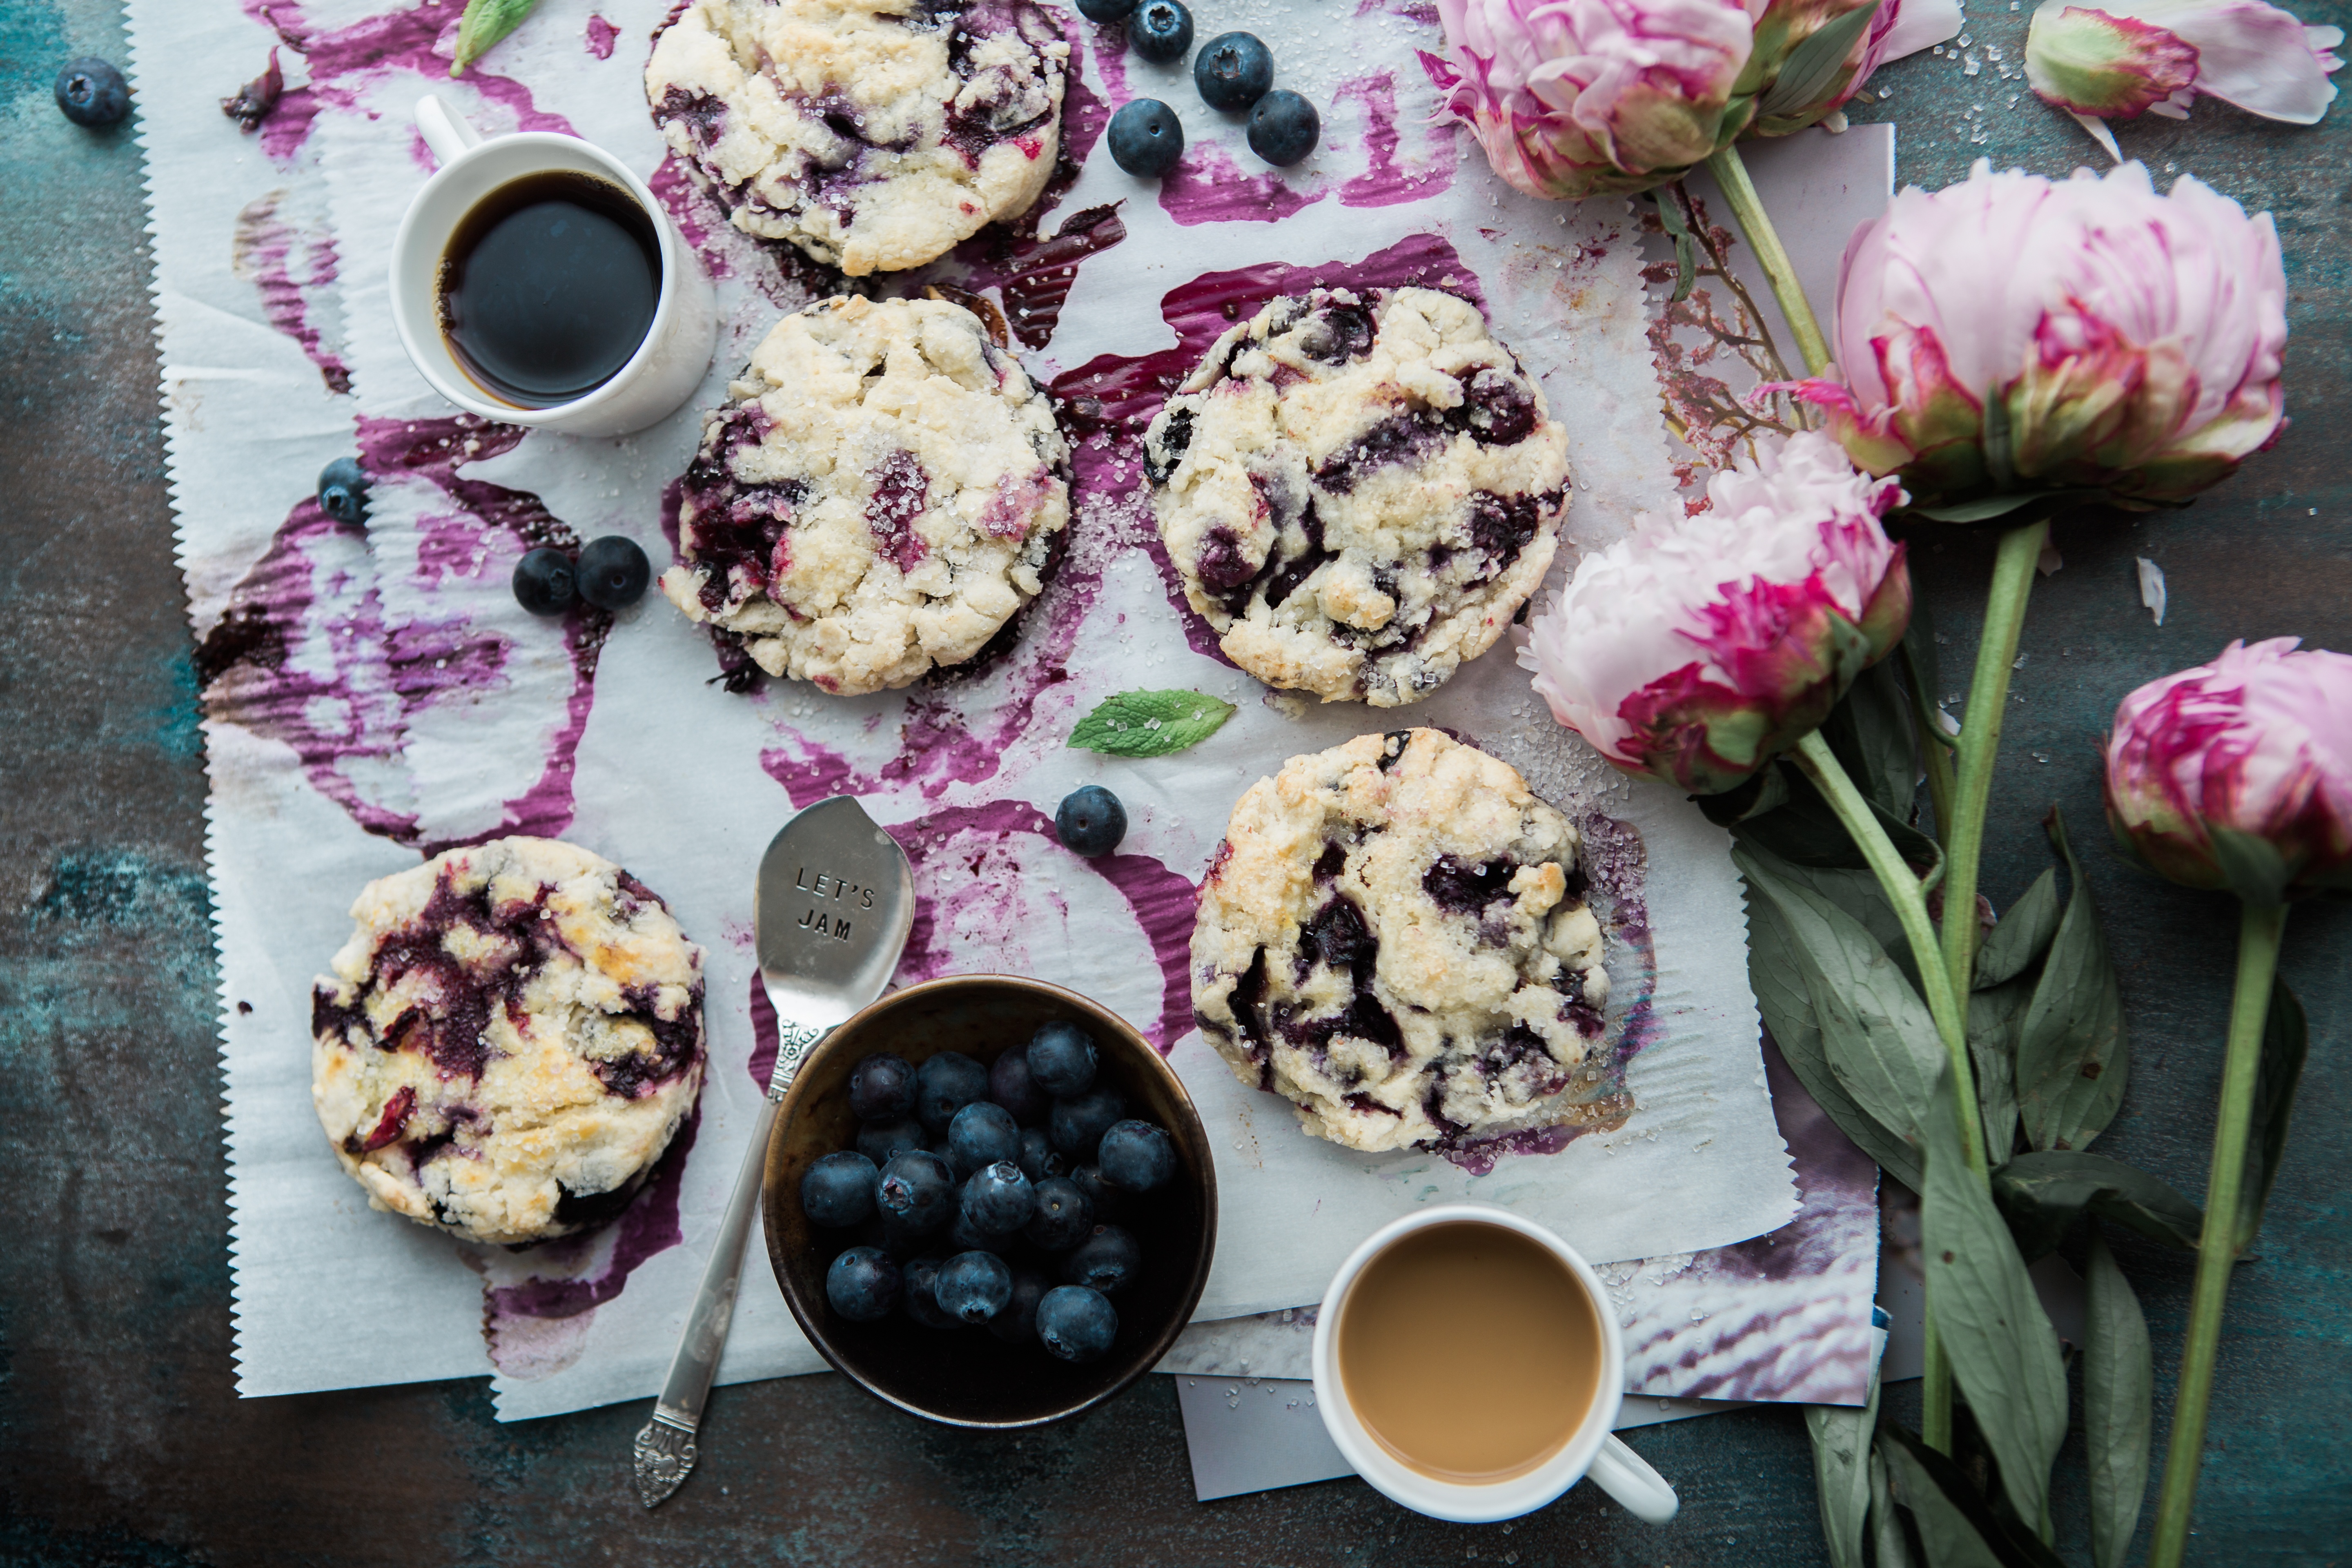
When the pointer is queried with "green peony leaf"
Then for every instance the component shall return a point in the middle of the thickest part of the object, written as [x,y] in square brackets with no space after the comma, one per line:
[2072,1056]
[2022,936]
[2040,1194]
[1840,1435]
[2287,1037]
[1956,1530]
[1677,228]
[2117,1396]
[1870,731]
[483,25]
[1150,724]
[1811,67]
[1993,1049]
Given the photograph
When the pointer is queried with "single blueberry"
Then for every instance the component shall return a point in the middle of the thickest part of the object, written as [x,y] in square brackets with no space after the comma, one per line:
[946,1083]
[343,488]
[1062,1059]
[544,582]
[974,1285]
[1105,10]
[880,1141]
[1161,30]
[1064,1217]
[1076,1323]
[1078,1122]
[1017,1324]
[917,1280]
[1108,1260]
[1284,127]
[1233,70]
[1009,1085]
[861,1285]
[1136,1155]
[613,573]
[1108,1201]
[92,92]
[838,1191]
[917,1190]
[1090,821]
[998,1200]
[980,1135]
[1146,140]
[1037,1160]
[881,1089]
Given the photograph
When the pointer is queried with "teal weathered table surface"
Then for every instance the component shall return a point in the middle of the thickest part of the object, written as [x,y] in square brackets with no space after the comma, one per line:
[121,1439]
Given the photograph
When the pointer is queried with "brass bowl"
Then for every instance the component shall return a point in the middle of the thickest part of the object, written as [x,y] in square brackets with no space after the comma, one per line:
[964,1376]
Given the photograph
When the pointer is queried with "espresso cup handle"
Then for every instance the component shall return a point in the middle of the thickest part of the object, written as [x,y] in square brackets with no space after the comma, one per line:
[1627,1476]
[446,132]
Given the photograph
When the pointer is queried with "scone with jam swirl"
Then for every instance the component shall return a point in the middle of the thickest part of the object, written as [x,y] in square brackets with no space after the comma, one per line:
[1360,489]
[508,1041]
[1393,936]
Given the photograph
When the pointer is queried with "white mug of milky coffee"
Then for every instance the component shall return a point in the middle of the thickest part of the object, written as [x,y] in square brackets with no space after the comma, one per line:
[621,352]
[1468,1365]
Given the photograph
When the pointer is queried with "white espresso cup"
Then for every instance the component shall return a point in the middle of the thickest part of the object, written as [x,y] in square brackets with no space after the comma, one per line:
[1591,1450]
[670,363]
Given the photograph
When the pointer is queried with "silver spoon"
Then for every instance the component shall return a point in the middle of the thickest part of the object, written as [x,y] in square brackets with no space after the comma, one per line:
[836,902]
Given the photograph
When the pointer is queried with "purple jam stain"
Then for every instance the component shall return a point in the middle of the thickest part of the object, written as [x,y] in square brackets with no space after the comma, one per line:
[1385,181]
[1034,276]
[601,36]
[900,490]
[262,250]
[252,103]
[1208,186]
[645,1228]
[763,1065]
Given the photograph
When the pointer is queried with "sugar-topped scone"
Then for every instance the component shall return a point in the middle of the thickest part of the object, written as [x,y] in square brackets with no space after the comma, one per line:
[1393,936]
[885,490]
[1360,489]
[874,134]
[508,1041]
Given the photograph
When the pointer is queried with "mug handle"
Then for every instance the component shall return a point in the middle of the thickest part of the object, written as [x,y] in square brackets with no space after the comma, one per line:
[446,132]
[1627,1476]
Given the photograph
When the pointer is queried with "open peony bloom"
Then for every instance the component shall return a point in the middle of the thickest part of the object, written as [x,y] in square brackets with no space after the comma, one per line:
[1579,98]
[2120,58]
[2010,335]
[1696,649]
[2238,773]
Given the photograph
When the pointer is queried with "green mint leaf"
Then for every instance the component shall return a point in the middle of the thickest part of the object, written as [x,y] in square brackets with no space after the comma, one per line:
[483,25]
[1150,724]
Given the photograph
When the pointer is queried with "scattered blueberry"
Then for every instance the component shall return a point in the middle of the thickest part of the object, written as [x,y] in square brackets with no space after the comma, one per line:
[1064,1217]
[1108,1261]
[1090,821]
[344,488]
[1161,30]
[946,1084]
[1146,140]
[881,1089]
[614,572]
[1233,70]
[998,1200]
[92,92]
[974,1285]
[544,582]
[1136,1155]
[917,1190]
[1037,1160]
[879,1141]
[917,1279]
[1062,1058]
[1017,1324]
[1078,1123]
[1009,1085]
[1105,10]
[1077,1324]
[1284,127]
[861,1285]
[1108,1201]
[980,1135]
[838,1191]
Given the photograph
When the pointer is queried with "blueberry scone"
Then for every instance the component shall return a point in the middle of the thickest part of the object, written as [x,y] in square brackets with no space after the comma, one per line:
[874,134]
[1359,491]
[1393,936]
[885,490]
[508,1041]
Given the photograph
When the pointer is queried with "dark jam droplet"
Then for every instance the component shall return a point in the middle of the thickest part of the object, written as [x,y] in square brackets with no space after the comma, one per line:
[1175,436]
[1457,885]
[1501,413]
[1337,334]
[1401,438]
[1501,527]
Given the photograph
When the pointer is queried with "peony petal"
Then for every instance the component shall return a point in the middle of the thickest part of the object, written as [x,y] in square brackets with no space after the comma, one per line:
[2254,55]
[2101,133]
[1920,24]
[2092,62]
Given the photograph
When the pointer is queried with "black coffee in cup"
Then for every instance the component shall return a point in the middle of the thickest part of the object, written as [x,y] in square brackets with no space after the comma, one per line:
[549,286]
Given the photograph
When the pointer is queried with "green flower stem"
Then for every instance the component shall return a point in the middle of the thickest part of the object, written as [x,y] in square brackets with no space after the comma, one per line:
[2012,580]
[1747,211]
[1936,1392]
[2259,928]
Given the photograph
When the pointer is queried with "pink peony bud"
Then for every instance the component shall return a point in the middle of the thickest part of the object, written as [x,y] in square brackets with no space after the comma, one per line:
[2238,773]
[2009,335]
[2125,56]
[1695,649]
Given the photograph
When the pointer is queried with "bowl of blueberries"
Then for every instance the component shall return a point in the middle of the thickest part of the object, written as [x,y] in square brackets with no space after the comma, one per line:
[990,1202]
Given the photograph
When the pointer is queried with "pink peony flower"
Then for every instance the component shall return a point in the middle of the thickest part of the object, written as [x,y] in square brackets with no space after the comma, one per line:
[2238,773]
[2009,335]
[2120,58]
[1696,649]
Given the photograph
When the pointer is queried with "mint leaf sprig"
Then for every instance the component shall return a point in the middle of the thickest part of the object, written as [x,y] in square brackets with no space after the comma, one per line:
[1150,724]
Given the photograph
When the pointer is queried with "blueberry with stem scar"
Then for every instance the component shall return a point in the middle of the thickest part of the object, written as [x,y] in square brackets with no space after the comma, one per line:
[1107,1260]
[1064,1218]
[1010,1086]
[1233,71]
[1077,1324]
[1062,1058]
[980,1135]
[974,1285]
[1136,1155]
[1090,821]
[613,573]
[1284,127]
[544,582]
[838,1191]
[861,1285]
[1161,30]
[917,1190]
[881,1089]
[342,491]
[1078,1122]
[998,1200]
[1146,137]
[92,92]
[946,1083]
